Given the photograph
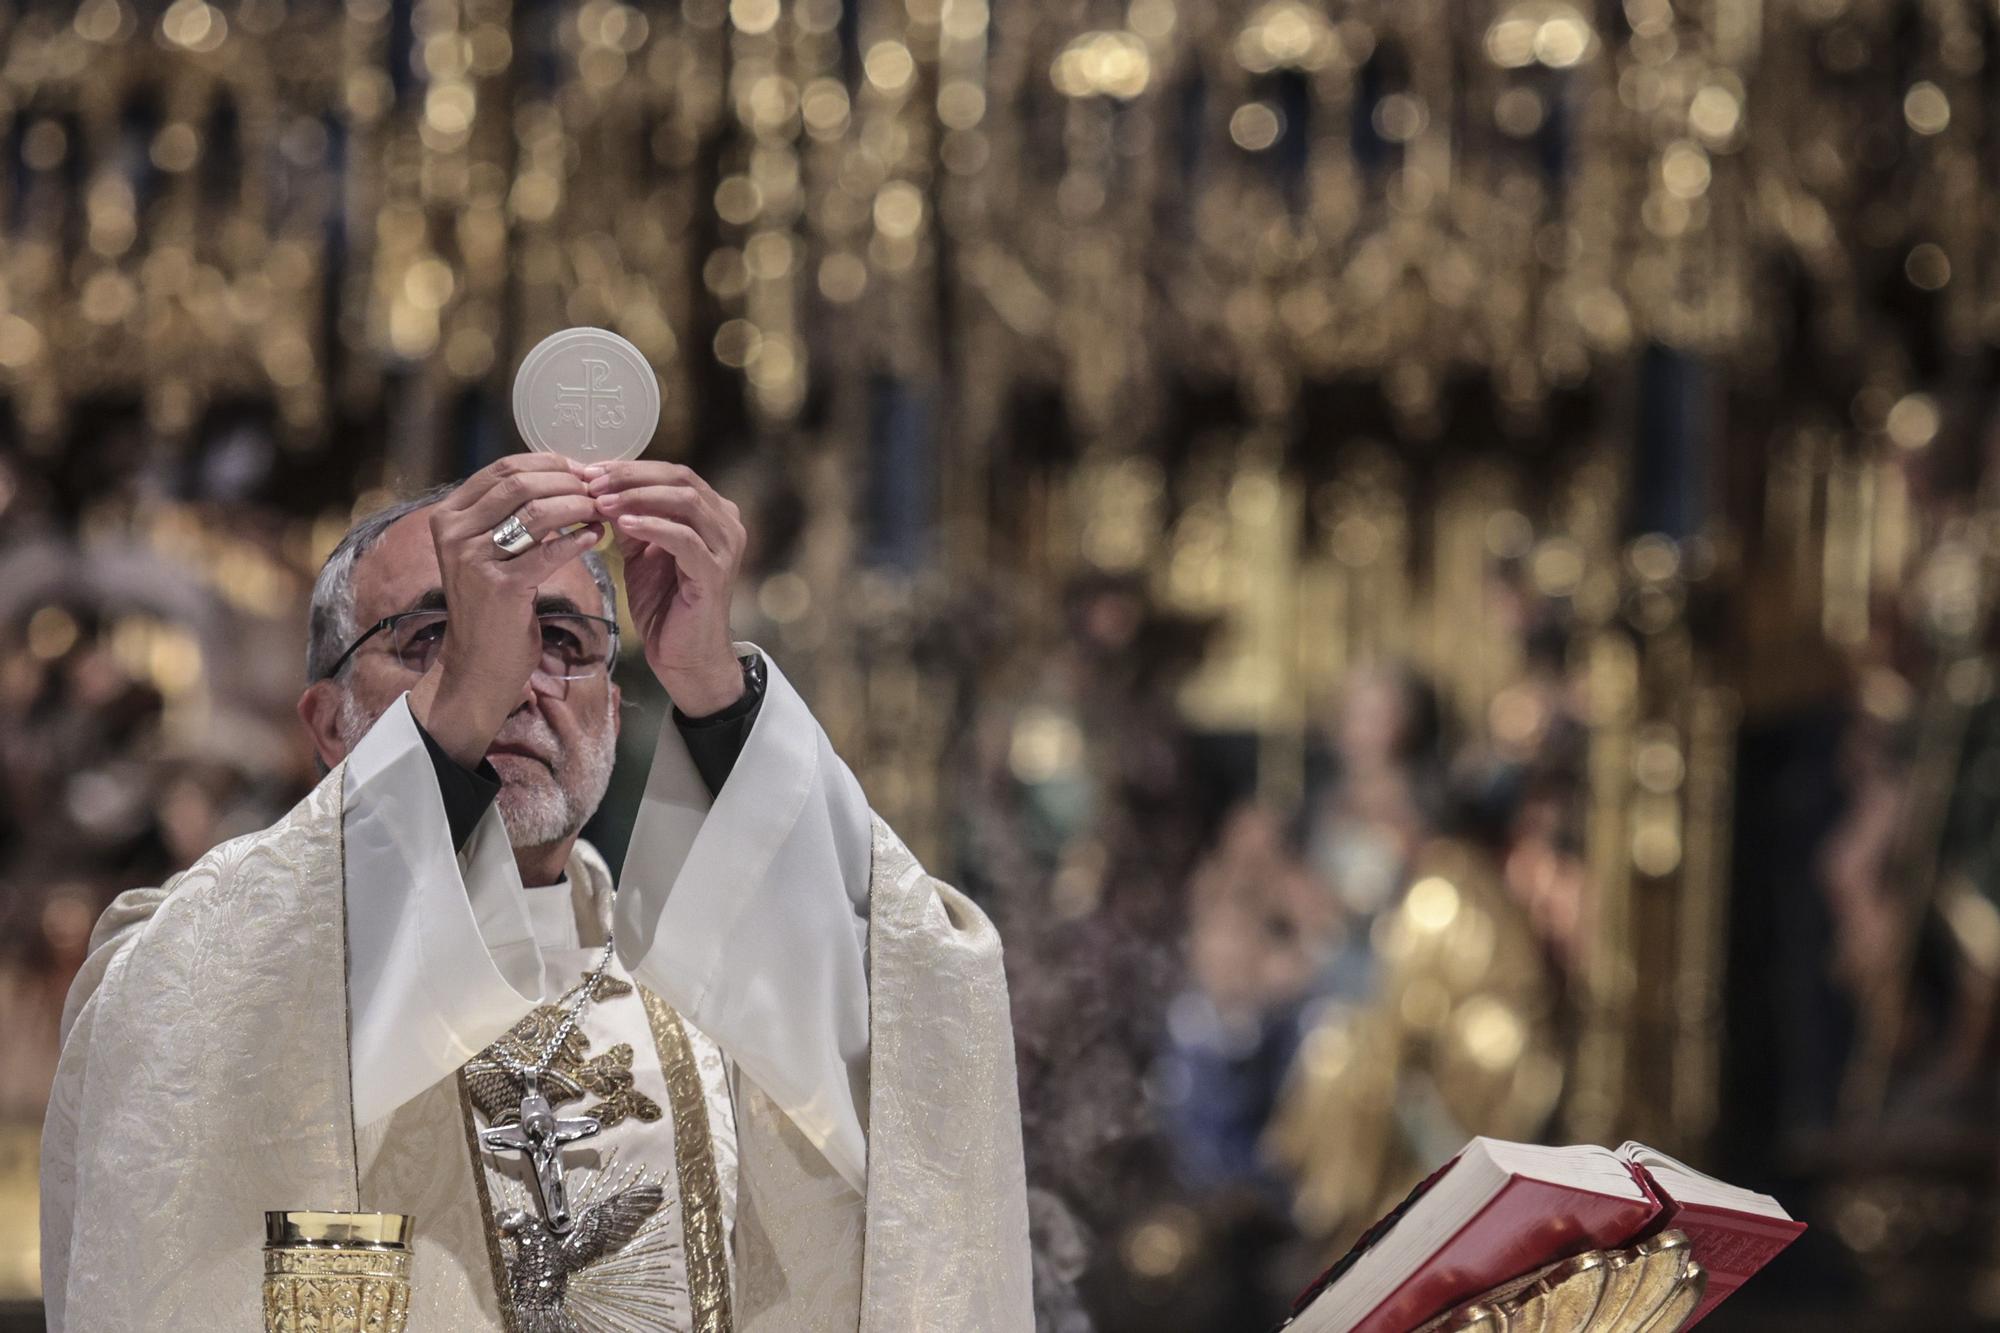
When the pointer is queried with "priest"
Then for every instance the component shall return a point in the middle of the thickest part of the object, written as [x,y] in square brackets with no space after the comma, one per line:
[760,1080]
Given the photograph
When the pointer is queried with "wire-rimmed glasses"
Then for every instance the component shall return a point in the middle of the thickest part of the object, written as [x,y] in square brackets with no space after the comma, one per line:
[574,646]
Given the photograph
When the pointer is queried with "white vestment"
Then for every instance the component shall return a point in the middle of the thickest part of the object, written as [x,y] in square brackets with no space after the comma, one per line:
[749,918]
[205,1077]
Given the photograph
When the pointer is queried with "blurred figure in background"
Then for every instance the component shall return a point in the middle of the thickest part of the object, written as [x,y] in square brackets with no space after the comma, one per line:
[1378,977]
[1383,796]
[1282,913]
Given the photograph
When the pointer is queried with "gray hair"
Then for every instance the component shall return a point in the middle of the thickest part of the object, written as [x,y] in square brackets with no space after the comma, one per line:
[331,623]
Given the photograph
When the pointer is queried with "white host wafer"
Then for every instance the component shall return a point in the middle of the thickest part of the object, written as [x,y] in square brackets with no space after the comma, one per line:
[588,394]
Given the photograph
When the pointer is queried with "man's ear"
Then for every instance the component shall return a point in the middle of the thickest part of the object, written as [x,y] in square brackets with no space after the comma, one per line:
[319,709]
[617,710]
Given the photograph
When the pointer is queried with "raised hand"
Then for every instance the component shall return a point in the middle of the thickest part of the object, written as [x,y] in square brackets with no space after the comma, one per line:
[494,643]
[682,544]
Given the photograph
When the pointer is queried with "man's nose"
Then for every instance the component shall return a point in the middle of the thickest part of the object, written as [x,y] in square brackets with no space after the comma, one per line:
[530,703]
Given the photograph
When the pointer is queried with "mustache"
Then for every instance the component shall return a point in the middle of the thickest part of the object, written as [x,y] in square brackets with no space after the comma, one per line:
[533,733]
[528,730]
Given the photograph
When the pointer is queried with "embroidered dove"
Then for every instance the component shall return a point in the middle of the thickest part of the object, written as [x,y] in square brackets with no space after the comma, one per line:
[538,1278]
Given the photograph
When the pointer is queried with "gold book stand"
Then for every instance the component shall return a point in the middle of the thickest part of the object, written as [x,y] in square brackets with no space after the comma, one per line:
[1651,1287]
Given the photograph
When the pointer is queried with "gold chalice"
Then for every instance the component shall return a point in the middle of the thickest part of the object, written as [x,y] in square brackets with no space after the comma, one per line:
[336,1272]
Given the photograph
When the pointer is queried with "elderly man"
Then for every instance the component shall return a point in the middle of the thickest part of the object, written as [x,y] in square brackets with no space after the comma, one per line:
[767,1083]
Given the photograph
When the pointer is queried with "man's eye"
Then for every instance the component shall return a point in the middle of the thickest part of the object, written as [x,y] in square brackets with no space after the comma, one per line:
[560,640]
[427,633]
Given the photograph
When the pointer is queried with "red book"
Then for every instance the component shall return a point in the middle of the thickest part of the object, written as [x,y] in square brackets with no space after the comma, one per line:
[1734,1231]
[1494,1212]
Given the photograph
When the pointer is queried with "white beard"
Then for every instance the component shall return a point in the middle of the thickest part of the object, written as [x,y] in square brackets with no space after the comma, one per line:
[542,810]
[537,814]
[534,804]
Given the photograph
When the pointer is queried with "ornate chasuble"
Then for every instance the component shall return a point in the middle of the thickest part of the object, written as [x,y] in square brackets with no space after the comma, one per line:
[660,1089]
[205,1079]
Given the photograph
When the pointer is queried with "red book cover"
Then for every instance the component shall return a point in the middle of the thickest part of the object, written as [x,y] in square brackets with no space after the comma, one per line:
[1729,1243]
[1527,1224]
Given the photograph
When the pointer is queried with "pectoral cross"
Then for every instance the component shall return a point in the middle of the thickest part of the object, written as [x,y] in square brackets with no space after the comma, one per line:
[539,1137]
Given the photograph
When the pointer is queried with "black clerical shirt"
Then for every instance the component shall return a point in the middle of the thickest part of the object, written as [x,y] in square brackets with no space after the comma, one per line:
[713,743]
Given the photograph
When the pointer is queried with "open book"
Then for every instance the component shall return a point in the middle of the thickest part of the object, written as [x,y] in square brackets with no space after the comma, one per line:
[1499,1210]
[1734,1231]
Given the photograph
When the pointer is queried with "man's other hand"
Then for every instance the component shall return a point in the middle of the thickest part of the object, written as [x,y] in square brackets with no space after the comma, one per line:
[682,544]
[493,643]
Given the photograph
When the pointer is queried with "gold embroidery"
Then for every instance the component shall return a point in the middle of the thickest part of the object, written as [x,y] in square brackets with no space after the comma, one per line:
[610,1077]
[694,1158]
[572,1073]
[339,794]
[494,1255]
[608,988]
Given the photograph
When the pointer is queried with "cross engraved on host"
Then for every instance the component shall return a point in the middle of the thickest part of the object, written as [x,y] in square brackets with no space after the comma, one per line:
[596,404]
[539,1136]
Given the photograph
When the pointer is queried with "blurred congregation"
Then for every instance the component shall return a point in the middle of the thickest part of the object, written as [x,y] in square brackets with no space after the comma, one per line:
[1431,564]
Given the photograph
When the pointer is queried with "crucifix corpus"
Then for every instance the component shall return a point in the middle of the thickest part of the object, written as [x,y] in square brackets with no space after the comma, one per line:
[539,1136]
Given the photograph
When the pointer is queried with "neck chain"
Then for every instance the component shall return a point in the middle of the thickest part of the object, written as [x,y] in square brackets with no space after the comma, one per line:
[572,1017]
[539,1134]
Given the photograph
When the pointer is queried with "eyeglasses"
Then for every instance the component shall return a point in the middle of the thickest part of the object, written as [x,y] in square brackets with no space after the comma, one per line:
[574,646]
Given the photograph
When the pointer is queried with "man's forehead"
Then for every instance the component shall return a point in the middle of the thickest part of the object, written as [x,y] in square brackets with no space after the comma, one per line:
[402,566]
[397,568]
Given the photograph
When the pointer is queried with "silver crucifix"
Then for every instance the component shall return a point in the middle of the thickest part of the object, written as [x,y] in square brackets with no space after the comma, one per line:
[539,1137]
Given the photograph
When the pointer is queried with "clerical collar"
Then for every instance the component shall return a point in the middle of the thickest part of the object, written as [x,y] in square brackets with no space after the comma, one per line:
[552,916]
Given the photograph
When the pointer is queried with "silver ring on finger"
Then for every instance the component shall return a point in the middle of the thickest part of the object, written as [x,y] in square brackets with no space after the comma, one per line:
[513,537]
